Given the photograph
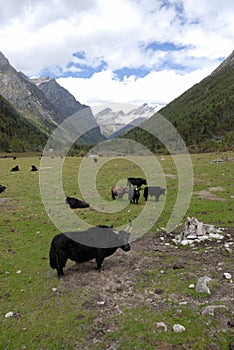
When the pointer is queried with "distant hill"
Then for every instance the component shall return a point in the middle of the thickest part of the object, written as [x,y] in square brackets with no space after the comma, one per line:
[44,103]
[203,115]
[17,133]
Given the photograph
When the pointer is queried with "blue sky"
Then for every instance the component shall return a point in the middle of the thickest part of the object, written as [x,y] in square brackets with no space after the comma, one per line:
[125,51]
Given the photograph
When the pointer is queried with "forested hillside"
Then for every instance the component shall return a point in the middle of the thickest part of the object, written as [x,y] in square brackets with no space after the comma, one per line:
[203,115]
[16,133]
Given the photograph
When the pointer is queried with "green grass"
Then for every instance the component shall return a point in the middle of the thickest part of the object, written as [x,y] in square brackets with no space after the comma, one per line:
[48,320]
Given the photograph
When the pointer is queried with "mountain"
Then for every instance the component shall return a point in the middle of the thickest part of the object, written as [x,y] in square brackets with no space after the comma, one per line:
[44,103]
[115,118]
[67,105]
[64,102]
[26,97]
[17,133]
[203,115]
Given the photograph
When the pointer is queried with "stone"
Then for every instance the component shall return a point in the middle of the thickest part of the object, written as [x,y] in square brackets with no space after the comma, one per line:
[227,275]
[178,328]
[161,325]
[201,286]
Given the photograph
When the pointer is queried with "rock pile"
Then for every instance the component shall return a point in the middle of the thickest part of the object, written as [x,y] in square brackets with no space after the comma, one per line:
[196,232]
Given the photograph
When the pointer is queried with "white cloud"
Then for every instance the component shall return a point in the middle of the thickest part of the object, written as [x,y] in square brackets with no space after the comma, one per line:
[156,87]
[39,34]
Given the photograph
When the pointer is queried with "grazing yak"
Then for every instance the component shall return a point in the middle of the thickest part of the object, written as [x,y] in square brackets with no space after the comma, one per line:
[118,191]
[103,242]
[76,203]
[2,188]
[154,191]
[136,181]
[134,195]
[33,168]
[15,168]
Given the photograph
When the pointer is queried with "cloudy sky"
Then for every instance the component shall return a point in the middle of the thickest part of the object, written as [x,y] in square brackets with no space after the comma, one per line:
[121,51]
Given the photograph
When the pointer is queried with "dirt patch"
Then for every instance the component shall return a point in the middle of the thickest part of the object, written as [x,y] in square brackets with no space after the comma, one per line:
[116,287]
[207,194]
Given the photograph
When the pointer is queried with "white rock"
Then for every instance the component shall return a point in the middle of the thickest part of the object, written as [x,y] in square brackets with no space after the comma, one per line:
[200,229]
[192,286]
[191,236]
[203,238]
[216,236]
[161,325]
[18,272]
[227,275]
[201,286]
[9,314]
[229,250]
[187,242]
[54,289]
[178,328]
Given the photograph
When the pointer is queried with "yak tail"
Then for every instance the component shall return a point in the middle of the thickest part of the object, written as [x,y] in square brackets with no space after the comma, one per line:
[53,257]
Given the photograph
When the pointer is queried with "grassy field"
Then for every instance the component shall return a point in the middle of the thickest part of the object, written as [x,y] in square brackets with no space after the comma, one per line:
[46,319]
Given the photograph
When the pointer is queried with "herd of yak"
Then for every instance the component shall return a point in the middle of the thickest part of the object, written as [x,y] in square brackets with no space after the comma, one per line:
[97,242]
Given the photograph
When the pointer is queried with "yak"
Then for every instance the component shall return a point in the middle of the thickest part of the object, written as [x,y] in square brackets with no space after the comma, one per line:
[2,188]
[118,191]
[136,181]
[15,168]
[33,168]
[76,203]
[134,195]
[154,191]
[94,243]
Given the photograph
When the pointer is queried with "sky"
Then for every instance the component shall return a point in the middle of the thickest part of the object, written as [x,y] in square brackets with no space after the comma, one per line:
[118,51]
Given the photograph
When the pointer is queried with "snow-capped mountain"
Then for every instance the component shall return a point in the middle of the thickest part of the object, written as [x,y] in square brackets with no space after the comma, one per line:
[115,118]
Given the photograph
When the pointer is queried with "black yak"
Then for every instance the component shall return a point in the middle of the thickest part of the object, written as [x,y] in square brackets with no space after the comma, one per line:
[15,168]
[154,191]
[95,243]
[118,191]
[2,188]
[134,195]
[33,168]
[76,203]
[136,181]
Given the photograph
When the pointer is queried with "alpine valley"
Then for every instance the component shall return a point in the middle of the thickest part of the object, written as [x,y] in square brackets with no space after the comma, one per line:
[31,109]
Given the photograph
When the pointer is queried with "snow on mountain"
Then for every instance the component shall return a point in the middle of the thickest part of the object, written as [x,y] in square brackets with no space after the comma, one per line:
[112,118]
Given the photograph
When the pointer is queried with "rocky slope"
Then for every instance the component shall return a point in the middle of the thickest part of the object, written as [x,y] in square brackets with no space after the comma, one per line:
[43,101]
[64,102]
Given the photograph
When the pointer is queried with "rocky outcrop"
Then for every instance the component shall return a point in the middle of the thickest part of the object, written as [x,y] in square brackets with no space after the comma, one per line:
[64,102]
[26,97]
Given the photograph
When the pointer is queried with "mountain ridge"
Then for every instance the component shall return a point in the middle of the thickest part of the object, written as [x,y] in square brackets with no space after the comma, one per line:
[46,106]
[203,115]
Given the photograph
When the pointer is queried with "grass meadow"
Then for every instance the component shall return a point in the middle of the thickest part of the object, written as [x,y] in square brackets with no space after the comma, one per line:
[43,319]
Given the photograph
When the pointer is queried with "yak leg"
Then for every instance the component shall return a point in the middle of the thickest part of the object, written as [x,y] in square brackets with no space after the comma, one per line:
[61,264]
[99,261]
